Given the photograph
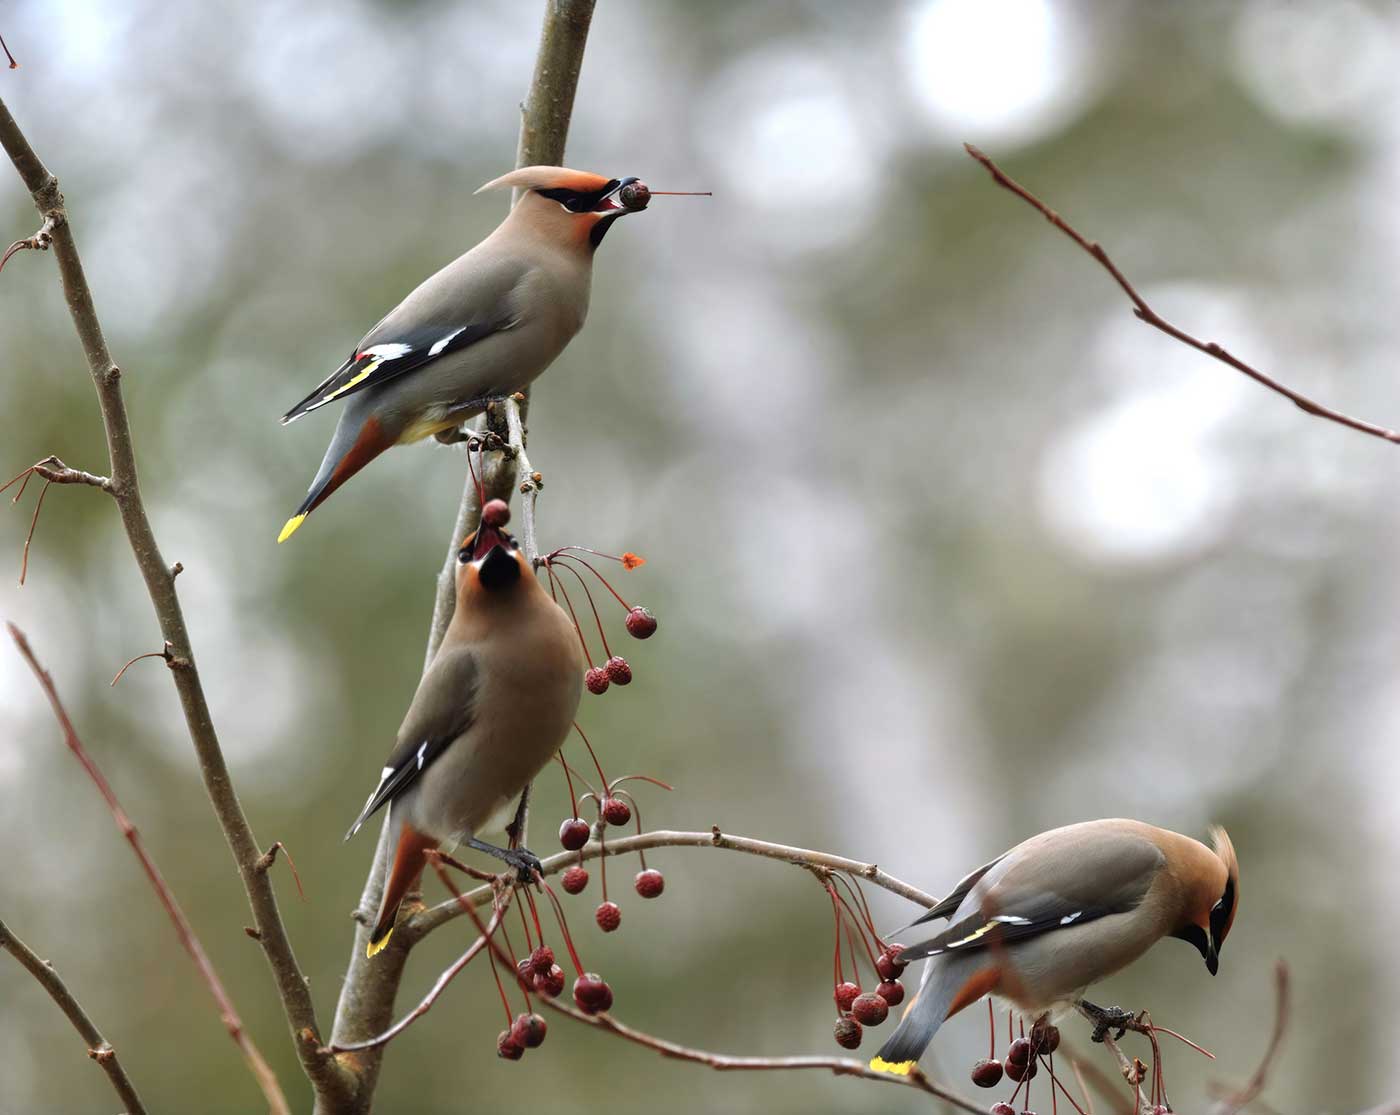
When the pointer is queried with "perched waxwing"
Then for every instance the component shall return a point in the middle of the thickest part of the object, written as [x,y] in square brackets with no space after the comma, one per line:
[1060,912]
[492,709]
[482,328]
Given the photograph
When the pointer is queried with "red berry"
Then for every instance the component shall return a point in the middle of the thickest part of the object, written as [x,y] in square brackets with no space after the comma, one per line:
[529,1030]
[986,1074]
[846,995]
[1018,1052]
[508,1047]
[616,811]
[596,679]
[551,983]
[496,513]
[574,833]
[869,1009]
[619,672]
[847,1033]
[609,915]
[592,994]
[1003,1109]
[641,624]
[892,991]
[888,963]
[650,883]
[541,960]
[522,967]
[1045,1037]
[574,880]
[1024,1071]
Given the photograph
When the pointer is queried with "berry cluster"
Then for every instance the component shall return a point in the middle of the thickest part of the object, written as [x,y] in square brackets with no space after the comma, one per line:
[1024,1057]
[640,623]
[856,1008]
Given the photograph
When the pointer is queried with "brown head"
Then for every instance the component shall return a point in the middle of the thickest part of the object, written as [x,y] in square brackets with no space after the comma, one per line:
[490,565]
[572,205]
[1212,892]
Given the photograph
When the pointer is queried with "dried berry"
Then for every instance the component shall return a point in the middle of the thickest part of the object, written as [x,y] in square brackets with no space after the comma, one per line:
[609,915]
[1045,1037]
[573,833]
[641,624]
[575,879]
[869,1009]
[1018,1052]
[529,1030]
[892,991]
[1002,1109]
[847,1033]
[508,1047]
[541,960]
[634,195]
[616,811]
[618,671]
[551,983]
[496,513]
[592,994]
[986,1074]
[845,995]
[888,963]
[650,883]
[596,679]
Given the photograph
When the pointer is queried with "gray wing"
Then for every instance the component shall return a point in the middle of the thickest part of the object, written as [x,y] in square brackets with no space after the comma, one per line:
[442,709]
[1039,894]
[949,905]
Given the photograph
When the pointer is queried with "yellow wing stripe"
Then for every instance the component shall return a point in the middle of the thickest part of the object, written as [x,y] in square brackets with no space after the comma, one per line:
[378,946]
[903,1068]
[368,369]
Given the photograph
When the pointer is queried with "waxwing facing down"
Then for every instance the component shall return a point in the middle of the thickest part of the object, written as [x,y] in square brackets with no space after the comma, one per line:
[1059,912]
[491,711]
[482,328]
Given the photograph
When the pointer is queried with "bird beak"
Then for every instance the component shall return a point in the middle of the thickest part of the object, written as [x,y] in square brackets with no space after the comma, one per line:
[1212,958]
[499,569]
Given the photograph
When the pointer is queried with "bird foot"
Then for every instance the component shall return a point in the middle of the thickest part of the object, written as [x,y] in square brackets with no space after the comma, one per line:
[522,860]
[1106,1019]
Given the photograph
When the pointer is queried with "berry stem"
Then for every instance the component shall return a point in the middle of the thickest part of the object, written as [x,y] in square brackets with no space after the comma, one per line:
[992,1030]
[592,754]
[1056,1081]
[866,924]
[643,778]
[587,565]
[564,928]
[865,906]
[571,772]
[607,650]
[525,928]
[572,614]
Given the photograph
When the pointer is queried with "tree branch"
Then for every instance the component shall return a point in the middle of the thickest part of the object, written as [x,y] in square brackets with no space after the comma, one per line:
[160,585]
[1233,1102]
[1146,313]
[267,1081]
[98,1048]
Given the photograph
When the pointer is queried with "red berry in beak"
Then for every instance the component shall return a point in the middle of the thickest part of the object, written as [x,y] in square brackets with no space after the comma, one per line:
[508,1047]
[986,1074]
[892,991]
[619,673]
[869,1009]
[889,965]
[496,513]
[650,883]
[550,984]
[641,624]
[597,680]
[541,960]
[574,880]
[573,833]
[529,1030]
[845,995]
[608,915]
[847,1033]
[592,994]
[616,811]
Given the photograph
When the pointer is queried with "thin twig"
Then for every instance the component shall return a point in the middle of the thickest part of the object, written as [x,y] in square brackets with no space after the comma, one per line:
[165,654]
[531,482]
[1232,1102]
[39,242]
[267,1081]
[98,1047]
[13,64]
[1146,313]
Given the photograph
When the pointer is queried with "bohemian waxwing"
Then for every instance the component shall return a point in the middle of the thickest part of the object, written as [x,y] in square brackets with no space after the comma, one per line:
[483,327]
[491,711]
[1059,912]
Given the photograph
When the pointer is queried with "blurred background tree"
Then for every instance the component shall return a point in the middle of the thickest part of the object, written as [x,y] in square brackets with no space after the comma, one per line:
[947,548]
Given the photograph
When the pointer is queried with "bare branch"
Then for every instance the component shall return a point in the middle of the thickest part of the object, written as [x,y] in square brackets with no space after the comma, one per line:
[98,1048]
[1146,313]
[267,1081]
[1233,1102]
[124,487]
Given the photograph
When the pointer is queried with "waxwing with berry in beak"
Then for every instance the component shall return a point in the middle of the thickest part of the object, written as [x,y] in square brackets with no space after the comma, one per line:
[1059,912]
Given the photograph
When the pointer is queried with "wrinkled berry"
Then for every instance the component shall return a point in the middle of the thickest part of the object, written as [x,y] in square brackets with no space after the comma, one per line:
[609,916]
[574,833]
[508,1047]
[641,624]
[616,811]
[1002,1109]
[845,995]
[542,959]
[869,1009]
[1018,1052]
[596,679]
[619,672]
[496,513]
[574,880]
[592,994]
[888,963]
[650,883]
[551,983]
[529,1030]
[847,1033]
[986,1074]
[1045,1037]
[892,991]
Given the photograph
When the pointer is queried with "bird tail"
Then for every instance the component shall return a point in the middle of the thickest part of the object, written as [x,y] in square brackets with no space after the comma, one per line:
[352,447]
[403,877]
[947,989]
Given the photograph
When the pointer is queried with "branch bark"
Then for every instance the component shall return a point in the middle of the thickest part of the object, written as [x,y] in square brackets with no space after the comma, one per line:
[367,996]
[98,1047]
[125,489]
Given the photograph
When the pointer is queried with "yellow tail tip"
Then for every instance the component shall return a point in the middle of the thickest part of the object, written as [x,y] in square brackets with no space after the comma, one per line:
[291,527]
[378,946]
[904,1068]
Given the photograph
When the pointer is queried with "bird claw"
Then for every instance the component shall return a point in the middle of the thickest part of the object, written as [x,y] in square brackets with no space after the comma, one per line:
[1106,1019]
[523,861]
